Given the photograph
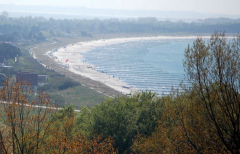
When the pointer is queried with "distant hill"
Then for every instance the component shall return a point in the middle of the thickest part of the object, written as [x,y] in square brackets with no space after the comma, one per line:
[87,13]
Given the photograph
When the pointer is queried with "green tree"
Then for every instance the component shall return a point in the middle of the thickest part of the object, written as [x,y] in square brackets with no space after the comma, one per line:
[9,51]
[123,118]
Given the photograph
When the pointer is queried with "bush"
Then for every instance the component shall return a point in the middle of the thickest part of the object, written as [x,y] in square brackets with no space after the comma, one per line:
[68,84]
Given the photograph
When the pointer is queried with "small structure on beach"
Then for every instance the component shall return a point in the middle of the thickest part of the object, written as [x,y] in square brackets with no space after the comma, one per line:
[127,87]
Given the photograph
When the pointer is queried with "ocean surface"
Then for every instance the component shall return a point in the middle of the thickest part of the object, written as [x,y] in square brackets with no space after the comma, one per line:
[155,65]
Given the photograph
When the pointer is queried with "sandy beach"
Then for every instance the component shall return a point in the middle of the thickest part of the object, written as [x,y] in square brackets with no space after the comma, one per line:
[71,58]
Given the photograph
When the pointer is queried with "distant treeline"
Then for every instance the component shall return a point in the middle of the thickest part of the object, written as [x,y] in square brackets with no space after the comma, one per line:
[38,28]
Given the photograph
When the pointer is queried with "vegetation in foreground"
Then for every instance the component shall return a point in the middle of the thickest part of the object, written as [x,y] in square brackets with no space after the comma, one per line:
[202,119]
[38,127]
[205,118]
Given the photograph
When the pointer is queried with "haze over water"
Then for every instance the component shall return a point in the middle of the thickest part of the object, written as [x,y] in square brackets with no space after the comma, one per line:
[146,65]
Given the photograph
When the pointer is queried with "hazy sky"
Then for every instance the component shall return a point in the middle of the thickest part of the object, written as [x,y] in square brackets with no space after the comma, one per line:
[208,6]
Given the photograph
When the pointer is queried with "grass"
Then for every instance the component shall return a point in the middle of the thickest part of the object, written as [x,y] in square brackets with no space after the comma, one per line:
[82,95]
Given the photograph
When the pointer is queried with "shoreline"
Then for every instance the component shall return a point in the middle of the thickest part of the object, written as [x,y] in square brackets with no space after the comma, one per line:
[71,58]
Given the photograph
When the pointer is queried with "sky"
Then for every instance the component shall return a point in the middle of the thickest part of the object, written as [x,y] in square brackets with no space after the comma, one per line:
[230,7]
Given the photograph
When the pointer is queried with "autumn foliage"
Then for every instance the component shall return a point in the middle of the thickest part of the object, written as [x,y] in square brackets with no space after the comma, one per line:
[37,127]
[205,118]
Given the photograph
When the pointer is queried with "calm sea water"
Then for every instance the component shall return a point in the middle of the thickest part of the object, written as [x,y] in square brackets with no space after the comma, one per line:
[146,65]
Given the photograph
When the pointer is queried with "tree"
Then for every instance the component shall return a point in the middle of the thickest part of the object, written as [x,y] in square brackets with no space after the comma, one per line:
[204,118]
[214,71]
[27,123]
[69,139]
[169,135]
[9,51]
[123,118]
[5,14]
[37,127]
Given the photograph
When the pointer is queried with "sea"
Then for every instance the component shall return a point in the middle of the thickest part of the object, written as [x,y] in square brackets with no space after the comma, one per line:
[155,65]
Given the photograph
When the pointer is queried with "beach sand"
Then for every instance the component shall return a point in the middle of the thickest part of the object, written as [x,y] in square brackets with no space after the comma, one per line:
[70,57]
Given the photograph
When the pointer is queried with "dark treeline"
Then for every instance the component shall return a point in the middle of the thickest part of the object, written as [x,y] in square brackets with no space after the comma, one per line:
[9,51]
[38,28]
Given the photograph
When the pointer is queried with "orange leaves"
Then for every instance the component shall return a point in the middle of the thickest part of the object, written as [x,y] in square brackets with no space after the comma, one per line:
[65,138]
[37,127]
[59,142]
[24,120]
